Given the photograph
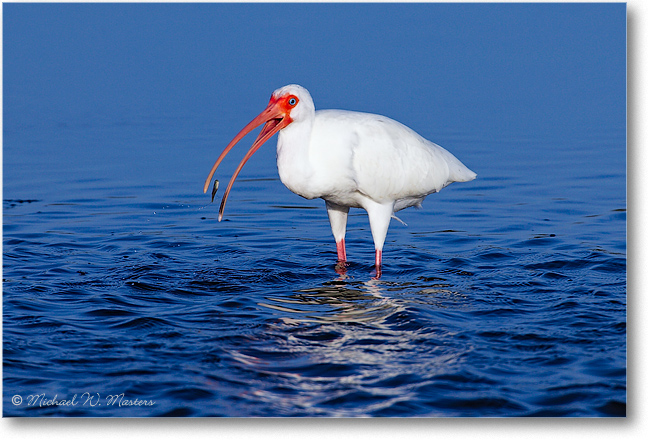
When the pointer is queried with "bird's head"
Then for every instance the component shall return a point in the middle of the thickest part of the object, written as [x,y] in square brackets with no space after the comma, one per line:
[294,101]
[287,105]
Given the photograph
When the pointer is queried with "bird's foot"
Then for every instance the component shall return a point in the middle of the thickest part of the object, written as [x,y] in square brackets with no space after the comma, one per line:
[341,268]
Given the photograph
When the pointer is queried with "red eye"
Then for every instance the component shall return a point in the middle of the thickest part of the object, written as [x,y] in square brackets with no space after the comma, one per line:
[293,101]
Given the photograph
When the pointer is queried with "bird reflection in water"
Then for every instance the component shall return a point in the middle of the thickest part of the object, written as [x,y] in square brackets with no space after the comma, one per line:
[338,301]
[349,343]
[345,300]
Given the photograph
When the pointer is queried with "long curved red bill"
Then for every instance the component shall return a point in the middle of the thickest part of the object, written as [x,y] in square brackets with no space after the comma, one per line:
[275,119]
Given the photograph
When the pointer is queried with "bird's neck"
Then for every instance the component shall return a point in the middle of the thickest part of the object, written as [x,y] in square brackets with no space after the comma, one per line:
[294,166]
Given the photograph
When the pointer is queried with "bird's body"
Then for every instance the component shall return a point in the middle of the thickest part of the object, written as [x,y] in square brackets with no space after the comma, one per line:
[351,160]
[348,157]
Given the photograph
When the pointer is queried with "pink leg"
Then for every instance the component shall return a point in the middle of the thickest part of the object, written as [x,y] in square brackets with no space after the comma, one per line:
[340,250]
[377,264]
[341,264]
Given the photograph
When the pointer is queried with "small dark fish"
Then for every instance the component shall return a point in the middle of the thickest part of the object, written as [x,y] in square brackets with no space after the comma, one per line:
[214,189]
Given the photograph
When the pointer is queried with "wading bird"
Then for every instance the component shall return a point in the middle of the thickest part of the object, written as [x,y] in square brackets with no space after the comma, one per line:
[349,159]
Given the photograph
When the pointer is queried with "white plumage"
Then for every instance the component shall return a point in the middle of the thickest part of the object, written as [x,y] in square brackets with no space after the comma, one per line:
[349,159]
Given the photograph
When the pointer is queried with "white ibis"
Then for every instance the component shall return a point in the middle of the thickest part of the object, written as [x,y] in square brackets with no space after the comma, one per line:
[349,159]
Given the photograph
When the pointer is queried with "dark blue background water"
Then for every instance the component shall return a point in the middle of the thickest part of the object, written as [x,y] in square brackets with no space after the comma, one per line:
[505,296]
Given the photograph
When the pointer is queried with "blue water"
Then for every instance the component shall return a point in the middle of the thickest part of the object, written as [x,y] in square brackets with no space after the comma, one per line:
[123,295]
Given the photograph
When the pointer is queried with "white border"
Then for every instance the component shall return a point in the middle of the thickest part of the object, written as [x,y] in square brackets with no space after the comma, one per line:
[635,426]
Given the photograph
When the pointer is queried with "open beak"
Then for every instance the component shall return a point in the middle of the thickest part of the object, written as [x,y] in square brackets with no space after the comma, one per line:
[274,119]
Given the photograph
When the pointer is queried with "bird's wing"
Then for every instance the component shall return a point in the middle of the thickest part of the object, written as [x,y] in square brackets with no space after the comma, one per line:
[382,158]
